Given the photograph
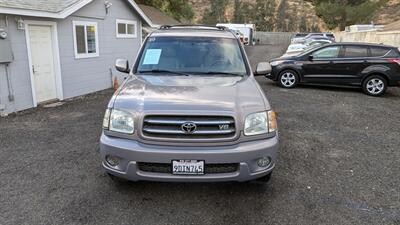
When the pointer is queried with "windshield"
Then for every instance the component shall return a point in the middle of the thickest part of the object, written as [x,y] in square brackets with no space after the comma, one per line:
[192,55]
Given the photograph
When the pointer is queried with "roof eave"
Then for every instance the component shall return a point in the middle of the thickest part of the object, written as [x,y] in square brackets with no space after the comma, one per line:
[36,13]
[68,11]
[145,18]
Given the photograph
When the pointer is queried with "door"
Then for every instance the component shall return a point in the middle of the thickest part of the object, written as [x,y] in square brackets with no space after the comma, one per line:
[321,68]
[41,49]
[353,60]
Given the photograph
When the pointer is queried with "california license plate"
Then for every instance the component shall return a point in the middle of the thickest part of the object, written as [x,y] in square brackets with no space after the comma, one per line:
[187,167]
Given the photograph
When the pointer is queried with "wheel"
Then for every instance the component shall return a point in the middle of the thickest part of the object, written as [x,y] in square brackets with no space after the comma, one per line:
[374,85]
[288,79]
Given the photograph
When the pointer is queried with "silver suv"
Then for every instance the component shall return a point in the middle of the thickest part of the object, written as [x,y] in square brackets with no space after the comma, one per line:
[190,111]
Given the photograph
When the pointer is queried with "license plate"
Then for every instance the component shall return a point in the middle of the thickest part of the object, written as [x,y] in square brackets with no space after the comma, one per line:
[187,167]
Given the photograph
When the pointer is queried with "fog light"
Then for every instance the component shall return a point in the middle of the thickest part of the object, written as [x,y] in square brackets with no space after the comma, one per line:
[112,160]
[264,161]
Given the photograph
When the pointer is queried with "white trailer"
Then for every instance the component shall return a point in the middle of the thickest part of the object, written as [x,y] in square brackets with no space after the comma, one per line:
[246,29]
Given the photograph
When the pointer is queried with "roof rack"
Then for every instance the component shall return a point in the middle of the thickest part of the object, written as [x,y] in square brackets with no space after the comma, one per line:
[200,27]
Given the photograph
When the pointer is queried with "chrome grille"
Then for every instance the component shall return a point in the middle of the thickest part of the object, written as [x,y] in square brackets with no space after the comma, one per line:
[198,127]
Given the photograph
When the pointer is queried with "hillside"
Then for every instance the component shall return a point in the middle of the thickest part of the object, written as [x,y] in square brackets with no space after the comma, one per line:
[388,14]
[296,9]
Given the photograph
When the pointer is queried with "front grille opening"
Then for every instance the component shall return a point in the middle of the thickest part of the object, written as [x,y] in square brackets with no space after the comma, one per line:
[206,127]
[208,168]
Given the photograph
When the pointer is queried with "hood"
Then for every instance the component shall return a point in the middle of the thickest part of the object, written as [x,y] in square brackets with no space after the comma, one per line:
[194,94]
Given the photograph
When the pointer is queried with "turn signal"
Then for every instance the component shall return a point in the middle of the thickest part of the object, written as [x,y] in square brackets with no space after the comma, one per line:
[272,124]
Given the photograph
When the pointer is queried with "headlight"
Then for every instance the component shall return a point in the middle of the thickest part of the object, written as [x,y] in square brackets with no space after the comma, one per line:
[275,63]
[260,123]
[119,121]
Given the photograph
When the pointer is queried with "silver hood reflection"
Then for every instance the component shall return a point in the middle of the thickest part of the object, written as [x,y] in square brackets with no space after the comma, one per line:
[197,94]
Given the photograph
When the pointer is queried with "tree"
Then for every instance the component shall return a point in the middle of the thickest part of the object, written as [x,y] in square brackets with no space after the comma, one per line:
[282,18]
[179,9]
[243,12]
[264,15]
[303,24]
[238,13]
[341,13]
[216,13]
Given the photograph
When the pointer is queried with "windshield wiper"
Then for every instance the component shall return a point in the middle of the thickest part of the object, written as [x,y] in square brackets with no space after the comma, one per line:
[223,73]
[165,71]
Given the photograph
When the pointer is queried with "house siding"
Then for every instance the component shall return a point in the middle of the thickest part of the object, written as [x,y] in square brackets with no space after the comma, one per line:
[18,72]
[82,76]
[79,76]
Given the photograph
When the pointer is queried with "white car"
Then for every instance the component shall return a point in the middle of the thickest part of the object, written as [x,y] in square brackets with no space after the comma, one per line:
[295,49]
[300,39]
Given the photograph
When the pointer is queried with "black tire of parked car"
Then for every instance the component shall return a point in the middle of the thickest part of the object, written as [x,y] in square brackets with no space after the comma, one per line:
[288,79]
[374,85]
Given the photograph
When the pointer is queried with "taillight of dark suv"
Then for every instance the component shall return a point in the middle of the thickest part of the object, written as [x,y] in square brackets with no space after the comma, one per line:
[394,61]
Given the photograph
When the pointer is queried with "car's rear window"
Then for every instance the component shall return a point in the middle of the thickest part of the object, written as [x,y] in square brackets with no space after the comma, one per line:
[393,53]
[355,51]
[378,52]
[384,52]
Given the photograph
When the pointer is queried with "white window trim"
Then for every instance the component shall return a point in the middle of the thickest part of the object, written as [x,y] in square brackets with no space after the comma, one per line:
[126,22]
[85,55]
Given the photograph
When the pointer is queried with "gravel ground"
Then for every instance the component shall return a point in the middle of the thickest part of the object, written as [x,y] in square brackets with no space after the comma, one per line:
[339,164]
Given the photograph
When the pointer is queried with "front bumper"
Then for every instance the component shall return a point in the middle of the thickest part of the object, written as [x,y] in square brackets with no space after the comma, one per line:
[273,75]
[132,153]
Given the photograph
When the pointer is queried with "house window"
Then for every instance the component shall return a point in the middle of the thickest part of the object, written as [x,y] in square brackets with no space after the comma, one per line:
[126,29]
[86,39]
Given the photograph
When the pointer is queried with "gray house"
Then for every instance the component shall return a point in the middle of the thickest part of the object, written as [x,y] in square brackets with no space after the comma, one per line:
[58,49]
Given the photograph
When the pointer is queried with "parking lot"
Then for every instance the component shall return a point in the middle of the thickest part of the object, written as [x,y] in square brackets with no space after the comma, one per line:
[338,164]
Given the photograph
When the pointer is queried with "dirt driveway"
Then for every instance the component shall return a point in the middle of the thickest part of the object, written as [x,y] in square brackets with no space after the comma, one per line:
[339,164]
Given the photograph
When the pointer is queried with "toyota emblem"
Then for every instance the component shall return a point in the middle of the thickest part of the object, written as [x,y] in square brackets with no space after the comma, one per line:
[189,128]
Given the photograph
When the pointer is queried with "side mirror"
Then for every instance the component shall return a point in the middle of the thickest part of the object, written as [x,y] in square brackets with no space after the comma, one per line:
[122,65]
[310,57]
[263,68]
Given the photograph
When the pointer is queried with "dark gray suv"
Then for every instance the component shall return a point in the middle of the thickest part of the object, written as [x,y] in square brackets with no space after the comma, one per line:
[190,111]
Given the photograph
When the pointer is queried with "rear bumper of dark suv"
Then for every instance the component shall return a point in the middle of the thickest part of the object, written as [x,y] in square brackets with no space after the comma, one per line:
[145,162]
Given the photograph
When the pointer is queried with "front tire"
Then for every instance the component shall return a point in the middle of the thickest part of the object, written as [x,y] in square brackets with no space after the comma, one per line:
[374,85]
[288,79]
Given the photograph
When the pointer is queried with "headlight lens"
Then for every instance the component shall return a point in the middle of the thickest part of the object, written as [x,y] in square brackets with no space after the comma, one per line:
[260,123]
[256,123]
[275,63]
[119,121]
